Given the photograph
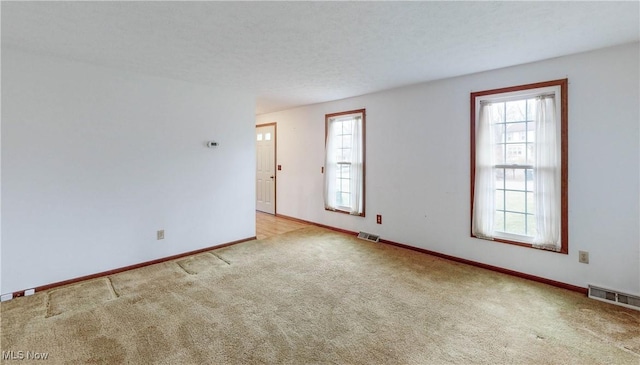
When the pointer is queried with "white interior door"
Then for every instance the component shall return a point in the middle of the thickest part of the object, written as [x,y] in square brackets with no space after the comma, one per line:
[265,169]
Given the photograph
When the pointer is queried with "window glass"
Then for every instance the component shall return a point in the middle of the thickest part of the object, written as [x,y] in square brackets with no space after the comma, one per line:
[344,162]
[519,149]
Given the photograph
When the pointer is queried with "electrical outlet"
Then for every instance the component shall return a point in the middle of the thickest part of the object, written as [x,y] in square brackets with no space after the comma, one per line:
[379,219]
[160,234]
[583,257]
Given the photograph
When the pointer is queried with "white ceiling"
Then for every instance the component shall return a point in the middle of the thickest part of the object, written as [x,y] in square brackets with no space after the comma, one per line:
[296,53]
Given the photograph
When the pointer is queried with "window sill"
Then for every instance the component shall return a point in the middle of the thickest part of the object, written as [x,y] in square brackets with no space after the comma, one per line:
[521,244]
[526,240]
[344,212]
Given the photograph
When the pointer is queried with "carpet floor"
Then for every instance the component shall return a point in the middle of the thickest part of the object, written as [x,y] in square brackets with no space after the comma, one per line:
[313,296]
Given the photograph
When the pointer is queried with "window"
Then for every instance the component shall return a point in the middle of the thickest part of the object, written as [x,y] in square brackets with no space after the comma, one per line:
[519,165]
[267,137]
[344,162]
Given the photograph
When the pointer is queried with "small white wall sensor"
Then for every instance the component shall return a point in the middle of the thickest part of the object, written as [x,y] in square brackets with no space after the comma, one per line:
[212,144]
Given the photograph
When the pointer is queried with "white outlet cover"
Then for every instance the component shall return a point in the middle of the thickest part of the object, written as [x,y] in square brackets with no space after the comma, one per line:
[583,257]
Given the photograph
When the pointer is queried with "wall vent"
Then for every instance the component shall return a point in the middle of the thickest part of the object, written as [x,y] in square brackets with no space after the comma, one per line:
[614,297]
[368,236]
[5,297]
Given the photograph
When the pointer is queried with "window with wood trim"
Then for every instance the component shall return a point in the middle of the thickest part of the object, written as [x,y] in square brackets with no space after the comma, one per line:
[345,162]
[519,154]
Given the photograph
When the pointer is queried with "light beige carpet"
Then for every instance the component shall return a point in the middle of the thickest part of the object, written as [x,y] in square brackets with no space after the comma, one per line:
[314,296]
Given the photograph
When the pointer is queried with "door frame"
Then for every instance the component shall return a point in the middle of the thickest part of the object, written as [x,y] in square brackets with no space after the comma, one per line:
[275,163]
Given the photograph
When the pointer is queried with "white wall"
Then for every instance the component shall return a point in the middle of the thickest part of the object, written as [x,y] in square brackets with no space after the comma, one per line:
[418,167]
[94,161]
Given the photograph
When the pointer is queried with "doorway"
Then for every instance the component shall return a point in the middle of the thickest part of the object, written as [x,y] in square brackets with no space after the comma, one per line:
[265,168]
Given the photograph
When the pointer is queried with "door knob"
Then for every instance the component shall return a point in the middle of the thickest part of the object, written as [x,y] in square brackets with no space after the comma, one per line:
[272,177]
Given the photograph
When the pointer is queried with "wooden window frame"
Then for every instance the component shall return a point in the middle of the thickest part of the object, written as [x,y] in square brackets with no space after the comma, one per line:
[564,154]
[327,117]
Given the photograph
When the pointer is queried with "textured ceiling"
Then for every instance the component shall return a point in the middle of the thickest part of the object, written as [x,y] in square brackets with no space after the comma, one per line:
[295,53]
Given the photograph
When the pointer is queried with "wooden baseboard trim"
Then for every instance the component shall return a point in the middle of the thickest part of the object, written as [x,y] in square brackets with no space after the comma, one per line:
[457,259]
[317,224]
[131,267]
[491,267]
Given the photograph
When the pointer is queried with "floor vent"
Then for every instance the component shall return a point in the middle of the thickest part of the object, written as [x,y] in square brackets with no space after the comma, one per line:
[368,236]
[614,297]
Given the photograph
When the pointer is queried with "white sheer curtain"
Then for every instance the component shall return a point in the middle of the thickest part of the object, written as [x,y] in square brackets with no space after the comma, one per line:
[357,167]
[484,186]
[330,167]
[547,175]
[354,160]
